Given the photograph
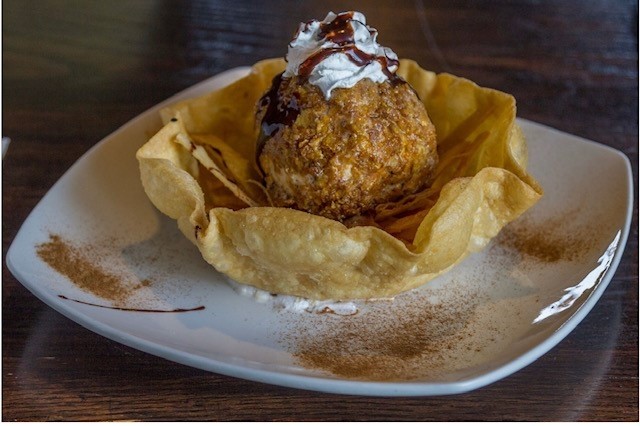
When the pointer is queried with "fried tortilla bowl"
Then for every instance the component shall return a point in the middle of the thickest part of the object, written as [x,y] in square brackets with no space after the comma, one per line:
[200,170]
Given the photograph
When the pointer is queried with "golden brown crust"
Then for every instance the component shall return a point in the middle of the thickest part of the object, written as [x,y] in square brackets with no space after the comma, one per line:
[366,145]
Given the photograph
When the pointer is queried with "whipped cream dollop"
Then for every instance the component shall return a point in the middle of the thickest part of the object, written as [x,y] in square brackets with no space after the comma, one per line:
[338,52]
[293,303]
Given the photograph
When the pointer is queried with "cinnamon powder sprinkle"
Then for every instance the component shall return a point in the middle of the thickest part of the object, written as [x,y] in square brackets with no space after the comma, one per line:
[393,342]
[549,241]
[73,263]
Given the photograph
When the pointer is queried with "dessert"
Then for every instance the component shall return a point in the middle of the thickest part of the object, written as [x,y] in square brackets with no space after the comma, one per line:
[256,205]
[340,132]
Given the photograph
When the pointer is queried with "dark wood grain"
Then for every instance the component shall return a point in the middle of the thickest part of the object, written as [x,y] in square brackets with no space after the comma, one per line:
[72,74]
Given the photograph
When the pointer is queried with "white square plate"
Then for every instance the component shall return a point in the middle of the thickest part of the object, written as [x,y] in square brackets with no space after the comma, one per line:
[496,312]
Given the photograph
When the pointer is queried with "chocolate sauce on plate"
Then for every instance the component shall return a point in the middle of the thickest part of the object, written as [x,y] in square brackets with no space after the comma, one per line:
[179,310]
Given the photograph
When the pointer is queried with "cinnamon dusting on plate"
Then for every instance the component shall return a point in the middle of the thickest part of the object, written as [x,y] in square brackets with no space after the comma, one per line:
[550,241]
[75,263]
[395,340]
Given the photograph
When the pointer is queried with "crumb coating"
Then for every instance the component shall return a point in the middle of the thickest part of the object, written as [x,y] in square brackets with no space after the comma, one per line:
[366,145]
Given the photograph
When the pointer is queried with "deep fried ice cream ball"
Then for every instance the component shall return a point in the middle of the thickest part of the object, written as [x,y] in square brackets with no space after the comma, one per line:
[366,145]
[340,131]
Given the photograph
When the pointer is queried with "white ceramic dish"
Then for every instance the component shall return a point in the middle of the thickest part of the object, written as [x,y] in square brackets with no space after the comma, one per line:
[495,313]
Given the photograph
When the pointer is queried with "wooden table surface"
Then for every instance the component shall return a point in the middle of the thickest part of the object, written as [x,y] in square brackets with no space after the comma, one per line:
[74,72]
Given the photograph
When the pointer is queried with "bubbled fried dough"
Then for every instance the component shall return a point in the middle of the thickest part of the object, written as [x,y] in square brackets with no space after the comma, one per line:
[366,145]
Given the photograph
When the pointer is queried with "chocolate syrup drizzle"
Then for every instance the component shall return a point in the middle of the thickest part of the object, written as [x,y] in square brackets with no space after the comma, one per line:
[179,310]
[341,33]
[283,112]
[279,113]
